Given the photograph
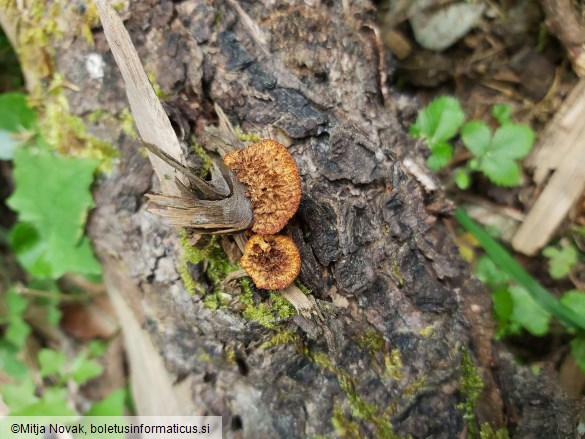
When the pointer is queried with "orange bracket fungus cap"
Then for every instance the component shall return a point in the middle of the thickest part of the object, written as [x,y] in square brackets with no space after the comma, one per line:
[272,261]
[272,180]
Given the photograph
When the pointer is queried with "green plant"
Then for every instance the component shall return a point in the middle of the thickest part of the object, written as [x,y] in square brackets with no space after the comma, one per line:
[561,260]
[494,154]
[52,197]
[520,302]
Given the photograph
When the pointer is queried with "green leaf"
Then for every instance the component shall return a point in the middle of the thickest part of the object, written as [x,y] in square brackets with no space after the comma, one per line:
[512,141]
[578,351]
[502,113]
[439,121]
[489,274]
[112,405]
[83,369]
[19,396]
[477,137]
[51,362]
[17,331]
[9,361]
[52,403]
[462,179]
[52,195]
[441,155]
[575,300]
[503,303]
[500,170]
[30,250]
[528,313]
[560,261]
[15,303]
[15,114]
[97,348]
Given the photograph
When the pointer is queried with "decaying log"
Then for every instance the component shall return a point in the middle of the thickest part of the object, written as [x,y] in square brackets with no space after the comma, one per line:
[417,325]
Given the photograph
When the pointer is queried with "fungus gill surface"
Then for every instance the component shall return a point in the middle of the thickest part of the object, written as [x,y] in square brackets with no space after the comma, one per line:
[272,261]
[272,180]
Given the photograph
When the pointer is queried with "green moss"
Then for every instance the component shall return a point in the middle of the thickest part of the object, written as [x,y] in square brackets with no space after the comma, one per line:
[303,288]
[266,314]
[427,331]
[471,389]
[487,432]
[218,264]
[158,91]
[67,133]
[345,427]
[246,137]
[372,340]
[230,355]
[284,337]
[393,364]
[360,409]
[127,123]
[207,163]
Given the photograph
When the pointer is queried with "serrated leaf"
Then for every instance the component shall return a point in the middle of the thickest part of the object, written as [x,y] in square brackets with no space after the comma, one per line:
[512,141]
[441,155]
[578,351]
[439,121]
[30,250]
[477,137]
[52,195]
[17,331]
[9,361]
[574,299]
[560,261]
[502,113]
[500,170]
[16,304]
[51,362]
[83,369]
[15,114]
[529,314]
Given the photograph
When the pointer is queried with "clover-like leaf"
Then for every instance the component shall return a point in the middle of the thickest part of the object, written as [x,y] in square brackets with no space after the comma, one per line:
[440,156]
[439,121]
[477,137]
[560,260]
[512,141]
[500,170]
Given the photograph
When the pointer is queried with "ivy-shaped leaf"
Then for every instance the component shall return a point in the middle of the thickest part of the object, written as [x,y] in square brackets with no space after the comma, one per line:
[52,197]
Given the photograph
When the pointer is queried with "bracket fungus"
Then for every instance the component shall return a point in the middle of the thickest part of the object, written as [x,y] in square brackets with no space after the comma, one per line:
[272,261]
[272,180]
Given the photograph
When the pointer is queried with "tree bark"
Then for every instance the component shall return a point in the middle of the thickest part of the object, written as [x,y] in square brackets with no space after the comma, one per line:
[310,74]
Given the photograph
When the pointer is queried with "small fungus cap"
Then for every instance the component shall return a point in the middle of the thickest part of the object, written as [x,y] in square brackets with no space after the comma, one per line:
[272,180]
[272,261]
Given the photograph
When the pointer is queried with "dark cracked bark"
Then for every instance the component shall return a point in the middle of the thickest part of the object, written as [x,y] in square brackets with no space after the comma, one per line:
[310,74]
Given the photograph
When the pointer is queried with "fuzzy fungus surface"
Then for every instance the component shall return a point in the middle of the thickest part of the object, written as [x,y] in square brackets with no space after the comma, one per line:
[272,261]
[272,180]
